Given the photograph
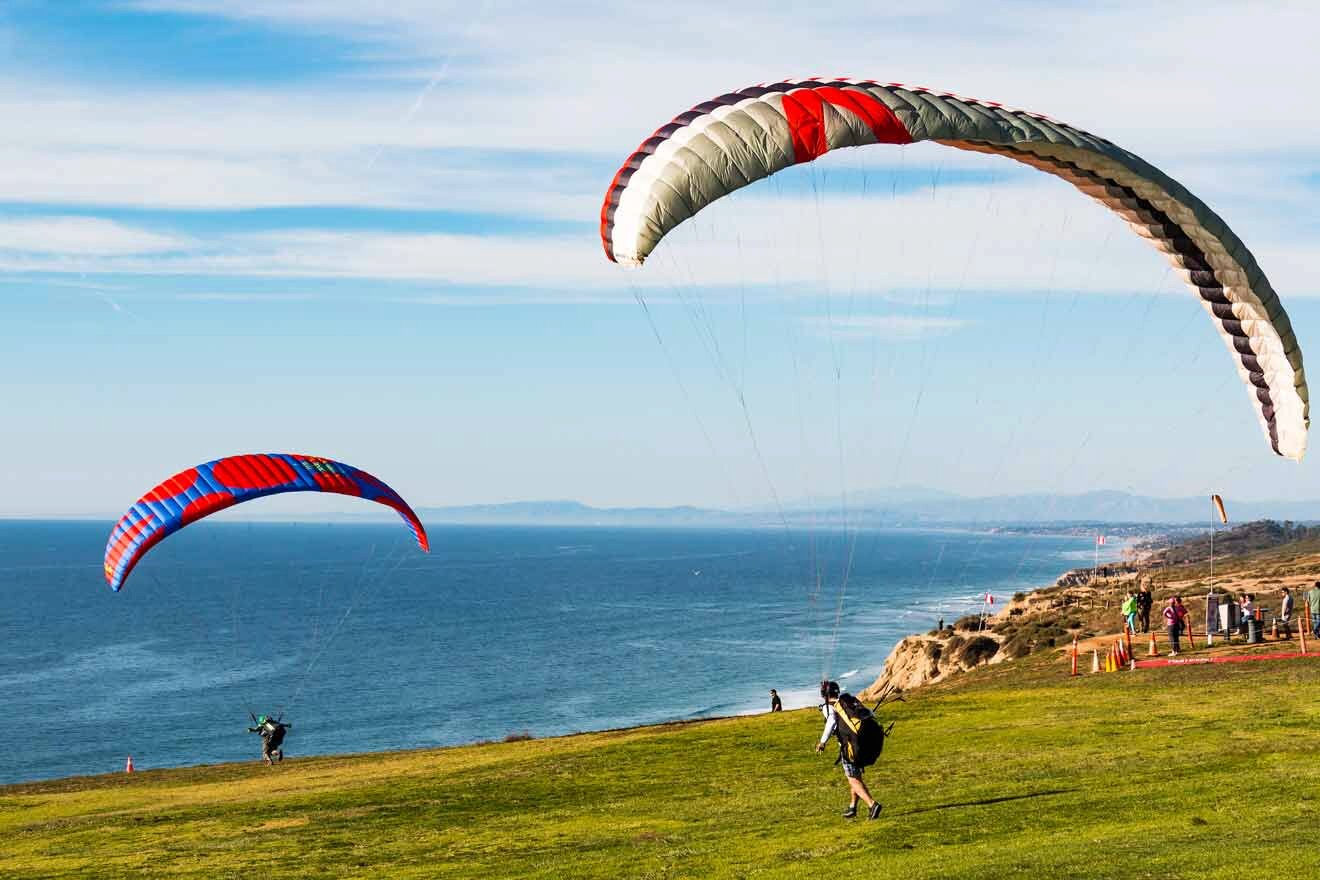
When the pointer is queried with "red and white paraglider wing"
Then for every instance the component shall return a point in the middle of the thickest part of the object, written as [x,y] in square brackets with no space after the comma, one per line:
[741,137]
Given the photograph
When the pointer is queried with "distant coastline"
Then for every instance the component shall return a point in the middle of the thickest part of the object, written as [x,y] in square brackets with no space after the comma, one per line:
[1118,513]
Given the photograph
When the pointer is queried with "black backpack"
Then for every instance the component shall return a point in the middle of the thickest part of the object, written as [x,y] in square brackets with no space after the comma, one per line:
[861,738]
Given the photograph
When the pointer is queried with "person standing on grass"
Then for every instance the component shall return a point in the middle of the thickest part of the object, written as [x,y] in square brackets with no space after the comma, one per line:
[1172,623]
[1130,612]
[829,692]
[1313,600]
[1144,602]
[776,704]
[1286,608]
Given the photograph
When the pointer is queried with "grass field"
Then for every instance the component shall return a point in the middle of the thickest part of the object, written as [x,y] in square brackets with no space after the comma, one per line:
[1014,770]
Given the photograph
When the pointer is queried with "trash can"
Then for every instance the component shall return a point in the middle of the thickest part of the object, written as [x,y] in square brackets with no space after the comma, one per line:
[1253,631]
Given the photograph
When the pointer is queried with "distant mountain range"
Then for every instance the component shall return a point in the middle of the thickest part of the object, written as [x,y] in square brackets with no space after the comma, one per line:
[902,506]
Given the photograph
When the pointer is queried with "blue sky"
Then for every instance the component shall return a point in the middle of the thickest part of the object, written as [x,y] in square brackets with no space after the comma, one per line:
[370,232]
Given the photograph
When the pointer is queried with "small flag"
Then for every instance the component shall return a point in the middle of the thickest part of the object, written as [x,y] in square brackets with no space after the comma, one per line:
[1099,540]
[1219,508]
[989,599]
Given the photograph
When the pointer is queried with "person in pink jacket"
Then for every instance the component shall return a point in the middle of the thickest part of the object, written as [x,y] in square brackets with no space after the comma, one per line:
[1173,624]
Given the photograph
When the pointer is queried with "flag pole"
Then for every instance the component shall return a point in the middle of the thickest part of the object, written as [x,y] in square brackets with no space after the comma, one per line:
[1212,542]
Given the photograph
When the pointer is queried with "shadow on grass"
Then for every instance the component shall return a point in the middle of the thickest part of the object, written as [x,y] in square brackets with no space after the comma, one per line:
[987,801]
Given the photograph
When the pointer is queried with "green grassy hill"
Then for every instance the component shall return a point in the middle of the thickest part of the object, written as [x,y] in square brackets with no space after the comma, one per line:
[1014,770]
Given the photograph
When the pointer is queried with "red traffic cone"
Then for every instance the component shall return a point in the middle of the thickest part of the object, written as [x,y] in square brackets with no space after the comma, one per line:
[128,767]
[1154,646]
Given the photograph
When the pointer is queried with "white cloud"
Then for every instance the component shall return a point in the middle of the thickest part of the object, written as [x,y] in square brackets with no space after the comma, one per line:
[1017,236]
[571,65]
[83,237]
[582,80]
[577,82]
[141,177]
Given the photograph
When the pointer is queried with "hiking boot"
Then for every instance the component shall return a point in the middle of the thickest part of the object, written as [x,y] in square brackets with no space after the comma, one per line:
[874,812]
[851,812]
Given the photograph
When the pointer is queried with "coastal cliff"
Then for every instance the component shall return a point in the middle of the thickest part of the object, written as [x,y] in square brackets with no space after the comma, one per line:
[1042,619]
[920,660]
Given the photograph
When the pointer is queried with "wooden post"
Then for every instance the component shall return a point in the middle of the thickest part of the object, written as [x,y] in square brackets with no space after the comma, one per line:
[1306,624]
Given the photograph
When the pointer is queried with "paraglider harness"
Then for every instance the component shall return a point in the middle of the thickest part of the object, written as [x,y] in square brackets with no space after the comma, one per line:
[860,734]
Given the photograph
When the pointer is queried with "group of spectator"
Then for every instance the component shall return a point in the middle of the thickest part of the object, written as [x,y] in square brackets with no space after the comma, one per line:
[1137,605]
[1136,609]
[1136,613]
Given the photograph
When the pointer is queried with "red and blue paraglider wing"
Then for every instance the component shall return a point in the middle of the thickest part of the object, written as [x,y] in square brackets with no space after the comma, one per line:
[202,490]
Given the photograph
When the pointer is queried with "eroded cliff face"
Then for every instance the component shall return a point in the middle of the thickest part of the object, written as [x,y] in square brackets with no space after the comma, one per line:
[920,660]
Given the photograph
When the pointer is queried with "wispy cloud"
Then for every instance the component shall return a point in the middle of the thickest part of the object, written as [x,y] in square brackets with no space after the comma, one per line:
[519,79]
[84,237]
[527,64]
[522,126]
[245,296]
[1015,237]
[896,328]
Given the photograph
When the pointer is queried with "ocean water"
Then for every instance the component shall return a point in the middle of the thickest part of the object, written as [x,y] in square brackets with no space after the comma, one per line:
[364,643]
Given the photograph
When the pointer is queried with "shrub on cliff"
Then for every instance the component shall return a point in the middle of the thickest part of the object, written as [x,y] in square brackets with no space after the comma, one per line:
[1016,648]
[977,650]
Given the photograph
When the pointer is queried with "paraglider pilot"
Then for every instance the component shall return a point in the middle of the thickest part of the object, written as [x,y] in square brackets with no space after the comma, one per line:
[852,769]
[272,738]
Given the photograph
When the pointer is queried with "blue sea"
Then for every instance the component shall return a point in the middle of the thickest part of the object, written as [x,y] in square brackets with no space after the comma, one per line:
[364,643]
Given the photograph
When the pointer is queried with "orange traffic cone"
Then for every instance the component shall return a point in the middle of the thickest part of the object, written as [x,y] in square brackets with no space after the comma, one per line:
[1154,646]
[128,767]
[1074,657]
[1095,660]
[1274,629]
